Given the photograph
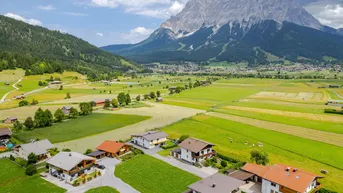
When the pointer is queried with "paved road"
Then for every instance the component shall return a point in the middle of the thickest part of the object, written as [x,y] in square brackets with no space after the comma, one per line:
[162,115]
[6,154]
[15,87]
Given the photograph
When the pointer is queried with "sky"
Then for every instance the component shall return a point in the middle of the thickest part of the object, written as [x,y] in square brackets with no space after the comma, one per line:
[106,22]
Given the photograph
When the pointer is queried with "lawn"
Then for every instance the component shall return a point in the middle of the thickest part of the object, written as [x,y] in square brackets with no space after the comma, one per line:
[14,180]
[282,148]
[82,127]
[104,189]
[150,175]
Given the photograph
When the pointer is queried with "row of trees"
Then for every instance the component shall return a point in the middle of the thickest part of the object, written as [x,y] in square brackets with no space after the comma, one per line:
[46,118]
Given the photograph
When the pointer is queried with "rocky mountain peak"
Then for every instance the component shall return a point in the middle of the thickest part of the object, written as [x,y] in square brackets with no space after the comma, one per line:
[216,13]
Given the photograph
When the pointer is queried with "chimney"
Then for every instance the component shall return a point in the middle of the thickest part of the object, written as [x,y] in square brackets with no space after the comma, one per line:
[288,168]
[213,185]
[295,169]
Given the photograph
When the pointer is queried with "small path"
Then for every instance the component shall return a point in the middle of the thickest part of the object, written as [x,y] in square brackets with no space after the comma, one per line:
[339,96]
[162,115]
[316,135]
[15,87]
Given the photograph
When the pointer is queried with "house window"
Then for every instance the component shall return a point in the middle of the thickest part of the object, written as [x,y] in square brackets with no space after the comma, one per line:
[187,150]
[202,152]
[273,184]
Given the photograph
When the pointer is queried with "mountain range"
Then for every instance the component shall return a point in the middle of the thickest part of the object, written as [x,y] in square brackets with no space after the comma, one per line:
[252,31]
[39,50]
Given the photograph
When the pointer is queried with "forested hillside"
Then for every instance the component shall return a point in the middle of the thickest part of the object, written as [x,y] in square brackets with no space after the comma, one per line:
[39,50]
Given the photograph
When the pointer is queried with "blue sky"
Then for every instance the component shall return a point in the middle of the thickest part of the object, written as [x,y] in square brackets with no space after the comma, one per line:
[104,22]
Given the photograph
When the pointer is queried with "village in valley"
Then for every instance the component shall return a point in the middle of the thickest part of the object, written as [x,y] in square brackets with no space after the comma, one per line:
[169,133]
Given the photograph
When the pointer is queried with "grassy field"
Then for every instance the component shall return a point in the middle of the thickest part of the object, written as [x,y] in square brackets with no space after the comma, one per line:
[14,180]
[149,175]
[104,189]
[282,148]
[81,127]
[301,122]
[9,76]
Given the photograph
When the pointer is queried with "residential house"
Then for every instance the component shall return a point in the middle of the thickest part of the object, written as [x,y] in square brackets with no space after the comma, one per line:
[10,120]
[66,110]
[100,102]
[194,150]
[217,183]
[338,103]
[5,135]
[20,97]
[110,149]
[159,99]
[68,166]
[150,139]
[283,179]
[39,148]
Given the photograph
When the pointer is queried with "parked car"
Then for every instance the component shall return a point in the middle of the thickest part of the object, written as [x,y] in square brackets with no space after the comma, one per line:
[101,167]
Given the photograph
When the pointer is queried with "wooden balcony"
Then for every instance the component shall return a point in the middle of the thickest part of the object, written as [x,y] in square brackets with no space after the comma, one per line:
[213,153]
[79,169]
[319,186]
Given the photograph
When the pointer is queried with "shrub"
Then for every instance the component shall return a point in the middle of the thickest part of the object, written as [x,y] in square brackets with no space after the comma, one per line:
[66,150]
[223,163]
[183,137]
[12,158]
[333,111]
[227,158]
[30,170]
[23,103]
[88,151]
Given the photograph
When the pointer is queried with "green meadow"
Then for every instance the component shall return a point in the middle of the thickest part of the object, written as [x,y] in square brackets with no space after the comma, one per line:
[81,127]
[150,175]
[14,180]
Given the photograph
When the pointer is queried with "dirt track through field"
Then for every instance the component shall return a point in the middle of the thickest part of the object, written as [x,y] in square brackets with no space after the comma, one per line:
[162,115]
[322,136]
[303,105]
[316,117]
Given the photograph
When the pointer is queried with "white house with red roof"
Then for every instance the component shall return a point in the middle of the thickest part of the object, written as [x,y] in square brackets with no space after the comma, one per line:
[283,179]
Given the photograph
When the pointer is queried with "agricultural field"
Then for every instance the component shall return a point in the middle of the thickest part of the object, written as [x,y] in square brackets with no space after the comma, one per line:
[104,189]
[10,77]
[14,180]
[287,116]
[81,127]
[282,148]
[150,175]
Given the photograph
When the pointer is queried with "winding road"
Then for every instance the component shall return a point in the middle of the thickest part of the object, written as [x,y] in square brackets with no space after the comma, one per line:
[15,87]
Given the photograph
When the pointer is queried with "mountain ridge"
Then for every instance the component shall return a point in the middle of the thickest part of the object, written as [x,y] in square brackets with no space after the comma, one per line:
[33,44]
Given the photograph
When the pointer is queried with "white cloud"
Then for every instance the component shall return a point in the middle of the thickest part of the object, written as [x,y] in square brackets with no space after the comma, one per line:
[99,34]
[137,34]
[75,14]
[328,12]
[20,18]
[152,8]
[46,7]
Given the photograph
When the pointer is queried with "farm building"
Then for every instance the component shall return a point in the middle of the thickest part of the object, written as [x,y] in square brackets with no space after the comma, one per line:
[10,120]
[283,179]
[20,97]
[55,82]
[110,149]
[193,150]
[100,102]
[66,110]
[218,183]
[39,148]
[159,99]
[5,135]
[150,139]
[68,166]
[335,103]
[334,86]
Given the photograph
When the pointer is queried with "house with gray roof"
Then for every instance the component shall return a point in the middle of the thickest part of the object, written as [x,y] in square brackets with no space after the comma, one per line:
[150,139]
[39,148]
[68,166]
[194,150]
[218,183]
